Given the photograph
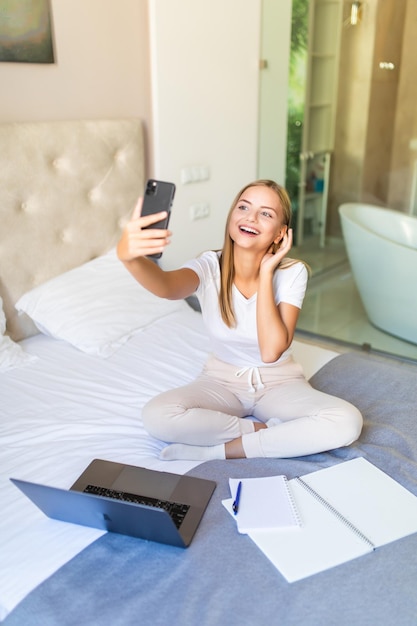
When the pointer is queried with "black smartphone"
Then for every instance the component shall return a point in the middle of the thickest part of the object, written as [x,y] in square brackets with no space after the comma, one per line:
[158,196]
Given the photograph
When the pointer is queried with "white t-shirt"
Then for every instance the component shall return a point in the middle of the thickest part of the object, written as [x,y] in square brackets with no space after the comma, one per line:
[239,345]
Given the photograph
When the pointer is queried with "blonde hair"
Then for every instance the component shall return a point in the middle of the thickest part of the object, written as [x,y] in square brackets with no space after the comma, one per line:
[227,267]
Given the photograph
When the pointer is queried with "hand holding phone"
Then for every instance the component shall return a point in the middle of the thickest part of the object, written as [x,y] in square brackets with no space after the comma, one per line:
[140,239]
[158,196]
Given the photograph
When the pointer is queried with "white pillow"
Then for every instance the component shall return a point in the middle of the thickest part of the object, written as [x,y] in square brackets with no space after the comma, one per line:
[11,354]
[95,307]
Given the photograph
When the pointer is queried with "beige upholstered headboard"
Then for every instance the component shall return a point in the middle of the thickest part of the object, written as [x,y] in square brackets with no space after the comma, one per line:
[66,188]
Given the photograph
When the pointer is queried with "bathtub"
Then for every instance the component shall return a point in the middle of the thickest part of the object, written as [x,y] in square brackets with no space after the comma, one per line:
[381,246]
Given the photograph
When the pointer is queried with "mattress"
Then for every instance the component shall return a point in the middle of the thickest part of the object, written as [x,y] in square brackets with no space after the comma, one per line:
[67,408]
[119,580]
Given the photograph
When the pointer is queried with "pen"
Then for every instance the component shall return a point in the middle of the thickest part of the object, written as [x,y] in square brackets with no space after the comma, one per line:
[235,505]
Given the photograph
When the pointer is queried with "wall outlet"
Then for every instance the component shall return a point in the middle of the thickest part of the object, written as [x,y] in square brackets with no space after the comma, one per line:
[194,174]
[199,211]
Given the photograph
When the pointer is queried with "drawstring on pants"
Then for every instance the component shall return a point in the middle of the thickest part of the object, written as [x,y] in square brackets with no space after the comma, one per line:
[252,372]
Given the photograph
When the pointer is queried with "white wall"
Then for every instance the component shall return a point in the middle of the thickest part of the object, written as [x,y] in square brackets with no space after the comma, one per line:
[101,69]
[273,92]
[204,59]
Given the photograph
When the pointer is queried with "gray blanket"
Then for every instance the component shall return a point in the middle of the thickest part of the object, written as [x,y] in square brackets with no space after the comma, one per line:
[222,578]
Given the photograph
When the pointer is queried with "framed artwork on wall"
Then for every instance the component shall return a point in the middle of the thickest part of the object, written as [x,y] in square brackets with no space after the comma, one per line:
[26,31]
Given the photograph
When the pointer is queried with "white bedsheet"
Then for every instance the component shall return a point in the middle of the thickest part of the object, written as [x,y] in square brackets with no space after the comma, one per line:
[67,408]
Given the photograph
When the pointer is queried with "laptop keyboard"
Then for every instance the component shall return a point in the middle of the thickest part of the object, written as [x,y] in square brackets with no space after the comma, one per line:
[176,510]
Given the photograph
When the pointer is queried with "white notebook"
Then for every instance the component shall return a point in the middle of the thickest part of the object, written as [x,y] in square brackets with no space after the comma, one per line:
[346,511]
[264,504]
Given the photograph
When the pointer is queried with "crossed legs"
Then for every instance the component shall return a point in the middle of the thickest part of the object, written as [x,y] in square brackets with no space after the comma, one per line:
[206,420]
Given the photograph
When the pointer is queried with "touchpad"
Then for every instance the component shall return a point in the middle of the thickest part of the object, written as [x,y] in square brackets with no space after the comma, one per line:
[145,482]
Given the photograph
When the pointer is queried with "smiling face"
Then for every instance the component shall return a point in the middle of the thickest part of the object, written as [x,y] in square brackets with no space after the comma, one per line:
[257,219]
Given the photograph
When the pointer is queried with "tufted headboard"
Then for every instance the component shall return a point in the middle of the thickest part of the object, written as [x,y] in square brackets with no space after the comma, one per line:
[66,188]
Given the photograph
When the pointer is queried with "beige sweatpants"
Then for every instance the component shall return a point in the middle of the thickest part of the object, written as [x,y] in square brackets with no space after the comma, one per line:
[214,409]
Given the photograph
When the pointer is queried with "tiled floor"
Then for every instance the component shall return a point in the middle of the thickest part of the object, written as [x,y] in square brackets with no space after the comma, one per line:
[332,306]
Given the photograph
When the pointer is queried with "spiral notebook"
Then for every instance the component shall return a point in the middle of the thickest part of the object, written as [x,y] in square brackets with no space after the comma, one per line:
[264,504]
[346,511]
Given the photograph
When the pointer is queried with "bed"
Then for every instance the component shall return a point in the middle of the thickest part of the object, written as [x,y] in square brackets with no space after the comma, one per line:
[72,386]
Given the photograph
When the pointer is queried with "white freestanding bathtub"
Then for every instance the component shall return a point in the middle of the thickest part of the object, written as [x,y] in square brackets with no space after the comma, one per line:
[381,245]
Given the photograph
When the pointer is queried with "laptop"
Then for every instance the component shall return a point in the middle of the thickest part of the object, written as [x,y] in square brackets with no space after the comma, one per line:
[149,504]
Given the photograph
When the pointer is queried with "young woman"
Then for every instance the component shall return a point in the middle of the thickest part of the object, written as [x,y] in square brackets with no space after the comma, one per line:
[250,296]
